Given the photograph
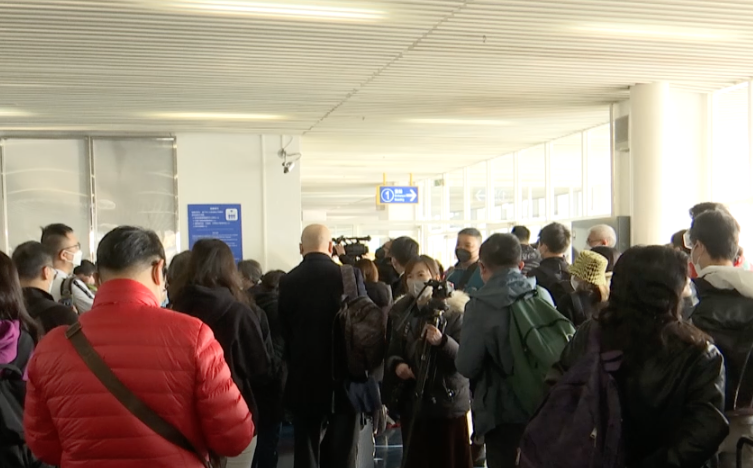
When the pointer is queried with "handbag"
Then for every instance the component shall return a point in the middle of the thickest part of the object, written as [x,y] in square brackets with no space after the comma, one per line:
[131,402]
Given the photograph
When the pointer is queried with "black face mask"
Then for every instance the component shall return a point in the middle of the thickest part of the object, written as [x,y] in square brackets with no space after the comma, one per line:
[463,255]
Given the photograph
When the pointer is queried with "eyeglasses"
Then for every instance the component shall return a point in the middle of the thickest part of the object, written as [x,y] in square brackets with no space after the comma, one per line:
[686,240]
[77,247]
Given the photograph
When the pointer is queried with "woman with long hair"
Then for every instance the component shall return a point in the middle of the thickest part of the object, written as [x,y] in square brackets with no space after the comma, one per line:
[379,292]
[671,380]
[435,429]
[18,337]
[210,289]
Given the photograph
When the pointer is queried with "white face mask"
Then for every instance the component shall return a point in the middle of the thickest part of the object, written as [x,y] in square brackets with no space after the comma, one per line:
[77,258]
[696,265]
[416,286]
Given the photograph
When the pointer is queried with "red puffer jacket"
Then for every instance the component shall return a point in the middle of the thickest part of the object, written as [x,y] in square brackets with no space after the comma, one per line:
[170,360]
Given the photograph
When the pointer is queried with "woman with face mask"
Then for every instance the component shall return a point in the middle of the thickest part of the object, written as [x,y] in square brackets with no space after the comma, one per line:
[438,437]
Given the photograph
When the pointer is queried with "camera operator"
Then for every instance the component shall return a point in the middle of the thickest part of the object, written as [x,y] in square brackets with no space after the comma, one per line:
[435,428]
[350,249]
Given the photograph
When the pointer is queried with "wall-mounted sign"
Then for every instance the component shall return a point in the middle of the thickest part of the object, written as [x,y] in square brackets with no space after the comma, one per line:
[221,222]
[390,195]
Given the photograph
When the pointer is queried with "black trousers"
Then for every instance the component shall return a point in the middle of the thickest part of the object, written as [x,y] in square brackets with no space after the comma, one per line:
[502,445]
[327,441]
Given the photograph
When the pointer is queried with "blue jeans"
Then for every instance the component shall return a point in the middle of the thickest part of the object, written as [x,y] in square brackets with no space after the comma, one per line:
[266,448]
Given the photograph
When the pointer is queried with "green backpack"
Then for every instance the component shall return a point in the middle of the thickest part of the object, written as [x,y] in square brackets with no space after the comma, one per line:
[538,334]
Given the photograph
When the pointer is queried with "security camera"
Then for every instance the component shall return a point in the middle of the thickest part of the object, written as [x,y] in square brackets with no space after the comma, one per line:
[287,167]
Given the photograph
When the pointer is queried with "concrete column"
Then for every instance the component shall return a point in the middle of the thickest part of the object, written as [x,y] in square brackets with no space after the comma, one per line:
[668,153]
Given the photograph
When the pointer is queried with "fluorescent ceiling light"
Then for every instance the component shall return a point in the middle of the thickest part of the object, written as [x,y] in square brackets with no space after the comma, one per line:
[656,32]
[211,116]
[459,122]
[6,112]
[313,11]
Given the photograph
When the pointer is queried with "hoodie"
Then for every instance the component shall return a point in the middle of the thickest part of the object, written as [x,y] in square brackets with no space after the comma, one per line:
[10,332]
[725,311]
[238,330]
[485,354]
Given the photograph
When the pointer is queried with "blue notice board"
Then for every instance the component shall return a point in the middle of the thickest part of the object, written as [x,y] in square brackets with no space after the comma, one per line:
[389,195]
[221,222]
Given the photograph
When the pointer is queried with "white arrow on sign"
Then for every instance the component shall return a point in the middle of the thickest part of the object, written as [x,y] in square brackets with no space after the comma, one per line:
[413,195]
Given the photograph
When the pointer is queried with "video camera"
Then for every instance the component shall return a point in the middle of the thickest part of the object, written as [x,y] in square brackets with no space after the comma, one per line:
[354,246]
[441,290]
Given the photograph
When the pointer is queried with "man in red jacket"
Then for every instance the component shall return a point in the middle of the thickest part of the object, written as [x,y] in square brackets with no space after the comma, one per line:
[170,361]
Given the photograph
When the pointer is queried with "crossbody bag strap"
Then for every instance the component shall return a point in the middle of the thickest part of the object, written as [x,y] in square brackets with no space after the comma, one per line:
[126,397]
[350,286]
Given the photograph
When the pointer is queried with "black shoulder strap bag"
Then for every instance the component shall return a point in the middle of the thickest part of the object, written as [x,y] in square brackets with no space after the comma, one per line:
[132,403]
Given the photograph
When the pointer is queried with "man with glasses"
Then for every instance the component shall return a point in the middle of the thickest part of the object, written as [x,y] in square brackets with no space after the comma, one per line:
[62,242]
[34,265]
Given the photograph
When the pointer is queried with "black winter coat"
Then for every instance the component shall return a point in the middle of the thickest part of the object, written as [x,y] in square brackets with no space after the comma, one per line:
[672,403]
[727,316]
[448,395]
[237,328]
[310,297]
[549,274]
[271,395]
[48,313]
[380,294]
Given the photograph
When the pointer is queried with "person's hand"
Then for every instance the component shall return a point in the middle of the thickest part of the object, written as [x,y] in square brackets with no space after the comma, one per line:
[340,250]
[433,335]
[404,371]
[379,420]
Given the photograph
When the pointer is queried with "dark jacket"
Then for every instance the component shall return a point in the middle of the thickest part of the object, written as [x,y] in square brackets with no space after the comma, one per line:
[271,395]
[448,395]
[387,273]
[238,330]
[398,288]
[727,315]
[310,297]
[48,313]
[671,404]
[550,273]
[380,294]
[485,355]
[531,257]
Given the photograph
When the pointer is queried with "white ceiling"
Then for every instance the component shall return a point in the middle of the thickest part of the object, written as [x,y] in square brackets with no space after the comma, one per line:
[421,86]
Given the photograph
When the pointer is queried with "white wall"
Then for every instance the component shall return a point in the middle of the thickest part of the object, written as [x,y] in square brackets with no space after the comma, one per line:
[245,169]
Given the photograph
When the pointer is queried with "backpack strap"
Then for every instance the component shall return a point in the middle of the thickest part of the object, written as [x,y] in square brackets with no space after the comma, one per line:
[350,289]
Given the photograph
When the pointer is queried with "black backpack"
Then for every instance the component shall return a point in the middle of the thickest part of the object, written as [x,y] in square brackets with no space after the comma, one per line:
[362,325]
[13,450]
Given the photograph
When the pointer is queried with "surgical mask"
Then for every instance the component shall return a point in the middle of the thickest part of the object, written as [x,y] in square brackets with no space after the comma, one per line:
[416,286]
[695,264]
[77,258]
[464,256]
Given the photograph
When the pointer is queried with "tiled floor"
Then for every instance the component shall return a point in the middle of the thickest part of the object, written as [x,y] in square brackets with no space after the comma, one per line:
[388,451]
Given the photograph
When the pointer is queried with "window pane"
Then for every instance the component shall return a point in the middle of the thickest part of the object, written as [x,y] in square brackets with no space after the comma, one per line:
[135,186]
[47,182]
[532,183]
[503,175]
[455,182]
[599,171]
[567,176]
[477,179]
[437,199]
[730,145]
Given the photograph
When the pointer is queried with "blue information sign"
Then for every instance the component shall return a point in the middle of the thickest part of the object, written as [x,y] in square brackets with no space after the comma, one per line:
[221,222]
[389,195]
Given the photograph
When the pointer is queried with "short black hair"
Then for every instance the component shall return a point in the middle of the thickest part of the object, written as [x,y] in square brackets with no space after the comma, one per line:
[705,207]
[250,270]
[522,233]
[29,259]
[128,247]
[718,232]
[501,251]
[473,232]
[403,250]
[86,268]
[55,237]
[556,237]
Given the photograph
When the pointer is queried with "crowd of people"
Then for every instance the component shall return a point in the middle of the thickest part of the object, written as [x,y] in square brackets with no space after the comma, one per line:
[131,362]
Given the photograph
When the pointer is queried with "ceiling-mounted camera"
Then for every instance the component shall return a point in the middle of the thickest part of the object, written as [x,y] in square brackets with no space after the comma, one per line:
[288,160]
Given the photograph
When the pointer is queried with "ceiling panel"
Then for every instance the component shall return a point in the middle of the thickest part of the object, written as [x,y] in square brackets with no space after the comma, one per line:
[401,86]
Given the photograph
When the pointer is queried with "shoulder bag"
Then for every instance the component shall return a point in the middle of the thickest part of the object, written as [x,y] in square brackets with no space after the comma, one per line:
[132,403]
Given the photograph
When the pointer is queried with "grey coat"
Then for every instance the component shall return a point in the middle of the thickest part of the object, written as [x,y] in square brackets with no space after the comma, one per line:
[485,355]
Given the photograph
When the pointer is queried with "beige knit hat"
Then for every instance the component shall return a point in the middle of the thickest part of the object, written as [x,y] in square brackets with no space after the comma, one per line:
[590,267]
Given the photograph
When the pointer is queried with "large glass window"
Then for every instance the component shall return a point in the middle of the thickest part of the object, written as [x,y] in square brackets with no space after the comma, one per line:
[46,181]
[532,173]
[456,183]
[503,188]
[599,167]
[135,185]
[567,176]
[477,180]
[731,169]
